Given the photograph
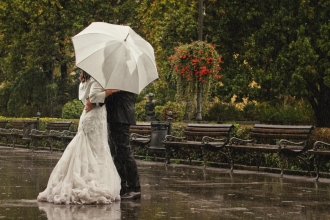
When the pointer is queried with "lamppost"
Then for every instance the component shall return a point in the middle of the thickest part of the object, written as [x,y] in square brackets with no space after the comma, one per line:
[200,20]
[199,84]
[169,119]
[53,57]
[38,117]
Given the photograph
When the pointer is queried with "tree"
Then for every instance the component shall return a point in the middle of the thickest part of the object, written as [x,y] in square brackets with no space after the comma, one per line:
[281,47]
[166,24]
[36,37]
[289,54]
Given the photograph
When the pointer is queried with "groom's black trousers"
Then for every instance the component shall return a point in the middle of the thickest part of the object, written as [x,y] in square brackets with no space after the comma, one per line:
[123,157]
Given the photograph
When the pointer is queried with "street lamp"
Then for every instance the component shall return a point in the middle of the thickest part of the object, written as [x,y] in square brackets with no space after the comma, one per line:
[169,119]
[38,117]
[199,84]
[53,57]
[200,20]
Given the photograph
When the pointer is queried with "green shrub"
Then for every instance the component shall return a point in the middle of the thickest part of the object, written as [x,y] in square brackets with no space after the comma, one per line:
[176,108]
[250,112]
[140,110]
[295,113]
[72,109]
[222,112]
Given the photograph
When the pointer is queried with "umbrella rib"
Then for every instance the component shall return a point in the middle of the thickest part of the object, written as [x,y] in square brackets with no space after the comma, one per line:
[126,37]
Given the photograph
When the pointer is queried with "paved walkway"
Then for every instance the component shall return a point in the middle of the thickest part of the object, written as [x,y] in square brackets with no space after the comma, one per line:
[168,192]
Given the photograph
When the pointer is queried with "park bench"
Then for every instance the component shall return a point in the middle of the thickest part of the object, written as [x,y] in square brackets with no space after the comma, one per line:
[55,130]
[17,131]
[140,134]
[288,141]
[320,149]
[67,136]
[150,136]
[3,123]
[4,132]
[201,137]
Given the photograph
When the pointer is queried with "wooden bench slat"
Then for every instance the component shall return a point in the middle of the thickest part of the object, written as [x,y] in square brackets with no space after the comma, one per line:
[17,124]
[204,129]
[58,125]
[280,131]
[202,133]
[279,136]
[209,125]
[295,127]
[276,131]
[3,123]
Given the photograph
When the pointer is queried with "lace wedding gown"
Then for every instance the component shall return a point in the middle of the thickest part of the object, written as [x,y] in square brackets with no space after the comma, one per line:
[86,174]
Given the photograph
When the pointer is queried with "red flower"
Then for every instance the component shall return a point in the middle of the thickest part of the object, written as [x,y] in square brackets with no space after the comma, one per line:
[196,61]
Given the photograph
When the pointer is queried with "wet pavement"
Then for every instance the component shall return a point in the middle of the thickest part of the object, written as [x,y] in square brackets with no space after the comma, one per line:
[168,192]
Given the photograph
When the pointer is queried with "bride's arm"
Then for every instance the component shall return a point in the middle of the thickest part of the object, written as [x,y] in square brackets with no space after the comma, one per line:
[110,91]
[98,94]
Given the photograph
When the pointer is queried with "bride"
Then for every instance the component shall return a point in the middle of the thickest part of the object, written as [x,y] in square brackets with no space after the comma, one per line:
[86,174]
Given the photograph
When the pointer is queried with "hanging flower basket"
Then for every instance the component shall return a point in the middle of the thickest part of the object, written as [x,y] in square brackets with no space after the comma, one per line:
[196,62]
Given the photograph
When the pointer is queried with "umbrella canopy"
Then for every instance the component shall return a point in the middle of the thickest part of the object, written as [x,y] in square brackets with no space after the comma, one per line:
[115,56]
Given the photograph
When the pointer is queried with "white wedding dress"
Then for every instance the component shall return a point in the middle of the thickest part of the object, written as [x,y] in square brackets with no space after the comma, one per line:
[86,174]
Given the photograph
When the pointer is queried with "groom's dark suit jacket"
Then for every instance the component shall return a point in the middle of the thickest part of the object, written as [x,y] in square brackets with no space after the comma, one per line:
[120,107]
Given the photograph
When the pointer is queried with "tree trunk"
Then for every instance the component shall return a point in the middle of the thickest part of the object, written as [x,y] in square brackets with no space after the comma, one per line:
[321,106]
[322,113]
[64,71]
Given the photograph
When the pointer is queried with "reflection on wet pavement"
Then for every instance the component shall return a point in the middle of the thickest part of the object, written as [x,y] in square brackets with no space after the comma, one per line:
[168,192]
[81,212]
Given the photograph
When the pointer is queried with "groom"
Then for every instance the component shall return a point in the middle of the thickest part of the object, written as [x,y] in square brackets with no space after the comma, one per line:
[120,115]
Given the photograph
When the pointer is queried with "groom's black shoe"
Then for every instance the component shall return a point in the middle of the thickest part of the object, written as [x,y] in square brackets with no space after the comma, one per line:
[131,195]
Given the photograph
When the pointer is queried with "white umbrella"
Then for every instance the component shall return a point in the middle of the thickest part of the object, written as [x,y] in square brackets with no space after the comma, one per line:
[115,56]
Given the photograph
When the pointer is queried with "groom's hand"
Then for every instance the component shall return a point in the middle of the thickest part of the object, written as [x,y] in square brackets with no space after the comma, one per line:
[89,106]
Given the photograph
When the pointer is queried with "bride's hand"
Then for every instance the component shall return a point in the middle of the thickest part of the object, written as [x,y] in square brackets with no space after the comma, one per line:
[89,106]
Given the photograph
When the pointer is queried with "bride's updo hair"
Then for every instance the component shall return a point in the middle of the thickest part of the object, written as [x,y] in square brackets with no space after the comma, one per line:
[84,76]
